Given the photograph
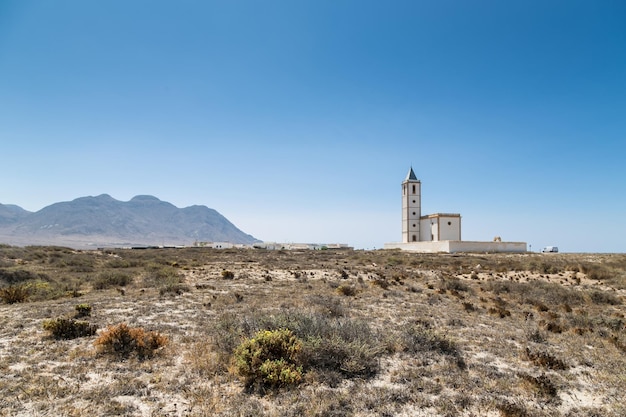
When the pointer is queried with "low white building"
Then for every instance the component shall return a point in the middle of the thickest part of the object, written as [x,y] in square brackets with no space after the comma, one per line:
[440,232]
[300,246]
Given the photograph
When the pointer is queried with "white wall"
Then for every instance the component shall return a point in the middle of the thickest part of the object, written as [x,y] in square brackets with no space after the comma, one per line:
[453,246]
[435,227]
[450,231]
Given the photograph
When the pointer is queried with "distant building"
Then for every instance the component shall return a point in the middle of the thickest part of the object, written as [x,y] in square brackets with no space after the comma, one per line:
[440,232]
[301,246]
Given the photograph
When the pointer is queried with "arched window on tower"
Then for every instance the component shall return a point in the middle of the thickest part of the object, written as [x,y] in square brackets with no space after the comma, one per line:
[414,189]
[414,238]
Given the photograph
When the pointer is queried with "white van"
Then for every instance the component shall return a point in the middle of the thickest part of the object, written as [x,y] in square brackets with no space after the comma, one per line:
[550,249]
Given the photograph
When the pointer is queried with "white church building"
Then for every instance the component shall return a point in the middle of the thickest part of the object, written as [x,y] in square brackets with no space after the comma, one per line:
[440,232]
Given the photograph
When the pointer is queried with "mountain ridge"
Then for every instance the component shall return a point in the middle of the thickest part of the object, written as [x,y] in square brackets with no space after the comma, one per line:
[103,220]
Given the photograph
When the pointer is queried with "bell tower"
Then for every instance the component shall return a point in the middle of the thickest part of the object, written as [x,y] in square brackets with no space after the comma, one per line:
[411,208]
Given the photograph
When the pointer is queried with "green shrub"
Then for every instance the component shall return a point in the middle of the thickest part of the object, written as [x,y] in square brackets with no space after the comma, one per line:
[17,276]
[604,297]
[330,344]
[68,328]
[161,276]
[111,279]
[14,294]
[124,341]
[270,359]
[83,310]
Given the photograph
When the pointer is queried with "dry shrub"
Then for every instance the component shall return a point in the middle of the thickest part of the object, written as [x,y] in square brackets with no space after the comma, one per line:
[508,409]
[604,297]
[420,338]
[347,290]
[14,294]
[499,311]
[553,326]
[453,284]
[541,384]
[124,341]
[616,341]
[206,360]
[226,274]
[62,328]
[174,289]
[381,282]
[545,360]
[536,336]
[468,306]
[331,306]
[596,272]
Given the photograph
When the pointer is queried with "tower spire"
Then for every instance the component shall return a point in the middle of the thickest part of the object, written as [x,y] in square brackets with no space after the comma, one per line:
[411,175]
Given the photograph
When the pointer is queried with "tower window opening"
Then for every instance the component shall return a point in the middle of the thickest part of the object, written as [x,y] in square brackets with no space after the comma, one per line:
[414,238]
[449,223]
[413,189]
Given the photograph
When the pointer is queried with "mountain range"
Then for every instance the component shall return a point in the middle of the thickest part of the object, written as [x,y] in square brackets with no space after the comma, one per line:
[105,221]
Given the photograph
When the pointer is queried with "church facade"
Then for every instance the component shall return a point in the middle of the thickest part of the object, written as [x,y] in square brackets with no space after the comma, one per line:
[429,228]
[440,232]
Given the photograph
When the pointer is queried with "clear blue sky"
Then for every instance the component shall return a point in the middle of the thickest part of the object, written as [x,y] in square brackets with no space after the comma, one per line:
[298,120]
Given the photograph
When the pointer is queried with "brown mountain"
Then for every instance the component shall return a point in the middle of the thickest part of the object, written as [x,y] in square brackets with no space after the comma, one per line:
[103,220]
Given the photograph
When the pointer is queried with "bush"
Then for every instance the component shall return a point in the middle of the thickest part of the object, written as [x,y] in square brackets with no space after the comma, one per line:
[347,290]
[270,359]
[604,297]
[123,341]
[68,328]
[332,344]
[83,310]
[13,277]
[14,294]
[541,384]
[226,274]
[174,289]
[111,279]
[545,360]
[420,338]
[596,272]
[161,276]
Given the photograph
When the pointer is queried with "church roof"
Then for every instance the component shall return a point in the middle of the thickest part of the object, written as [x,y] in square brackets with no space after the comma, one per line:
[411,175]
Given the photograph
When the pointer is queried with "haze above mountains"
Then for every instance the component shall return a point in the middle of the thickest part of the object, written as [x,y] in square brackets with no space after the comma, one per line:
[105,221]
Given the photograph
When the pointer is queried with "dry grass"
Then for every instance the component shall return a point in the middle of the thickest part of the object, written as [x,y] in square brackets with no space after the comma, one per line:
[382,333]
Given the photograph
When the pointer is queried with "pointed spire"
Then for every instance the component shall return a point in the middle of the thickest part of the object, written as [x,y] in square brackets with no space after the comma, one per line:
[411,176]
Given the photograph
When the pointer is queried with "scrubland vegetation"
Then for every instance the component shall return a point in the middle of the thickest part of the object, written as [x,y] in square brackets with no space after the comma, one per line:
[202,332]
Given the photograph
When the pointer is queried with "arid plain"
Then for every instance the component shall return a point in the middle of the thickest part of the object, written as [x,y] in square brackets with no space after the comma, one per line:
[377,333]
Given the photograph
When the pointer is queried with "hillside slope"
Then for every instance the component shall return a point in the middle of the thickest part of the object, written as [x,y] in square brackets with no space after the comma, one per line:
[104,220]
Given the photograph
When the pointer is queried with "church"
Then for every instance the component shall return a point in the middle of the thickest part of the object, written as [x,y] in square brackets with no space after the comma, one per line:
[440,232]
